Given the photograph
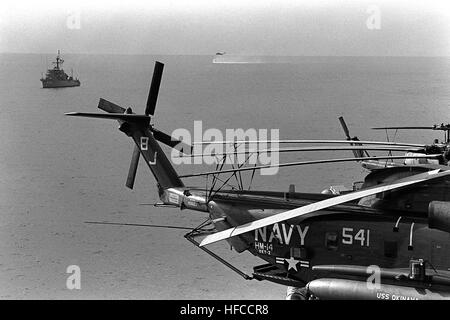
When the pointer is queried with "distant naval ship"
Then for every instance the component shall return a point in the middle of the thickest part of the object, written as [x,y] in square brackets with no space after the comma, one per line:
[223,57]
[57,78]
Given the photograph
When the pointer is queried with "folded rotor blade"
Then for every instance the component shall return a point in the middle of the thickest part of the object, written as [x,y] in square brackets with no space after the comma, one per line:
[321,148]
[301,163]
[302,211]
[414,128]
[308,141]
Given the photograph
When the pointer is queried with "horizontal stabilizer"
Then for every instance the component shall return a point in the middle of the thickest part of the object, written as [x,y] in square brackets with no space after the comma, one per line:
[135,118]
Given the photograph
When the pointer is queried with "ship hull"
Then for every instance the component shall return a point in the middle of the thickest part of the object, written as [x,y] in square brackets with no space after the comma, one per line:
[60,83]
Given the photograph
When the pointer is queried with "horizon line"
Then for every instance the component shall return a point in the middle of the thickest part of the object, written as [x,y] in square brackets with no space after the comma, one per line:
[231,54]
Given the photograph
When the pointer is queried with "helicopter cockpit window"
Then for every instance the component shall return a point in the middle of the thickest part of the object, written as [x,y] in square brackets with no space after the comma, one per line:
[331,240]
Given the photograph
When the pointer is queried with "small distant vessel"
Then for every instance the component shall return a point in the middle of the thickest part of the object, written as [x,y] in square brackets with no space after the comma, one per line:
[224,57]
[218,57]
[57,78]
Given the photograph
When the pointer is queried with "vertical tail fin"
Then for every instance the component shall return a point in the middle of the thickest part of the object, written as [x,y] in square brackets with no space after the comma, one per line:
[146,144]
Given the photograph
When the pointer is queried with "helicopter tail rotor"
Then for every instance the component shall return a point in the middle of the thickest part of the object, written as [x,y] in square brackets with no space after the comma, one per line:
[149,110]
[357,153]
[144,135]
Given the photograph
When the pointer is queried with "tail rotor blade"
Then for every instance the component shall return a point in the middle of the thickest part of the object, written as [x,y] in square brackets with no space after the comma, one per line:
[154,88]
[133,168]
[165,138]
[109,107]
[170,141]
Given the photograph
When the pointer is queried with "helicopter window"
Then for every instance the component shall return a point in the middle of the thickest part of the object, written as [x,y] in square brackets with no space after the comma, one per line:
[390,249]
[331,240]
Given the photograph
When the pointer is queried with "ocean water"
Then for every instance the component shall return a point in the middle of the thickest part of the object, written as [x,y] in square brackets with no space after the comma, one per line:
[58,172]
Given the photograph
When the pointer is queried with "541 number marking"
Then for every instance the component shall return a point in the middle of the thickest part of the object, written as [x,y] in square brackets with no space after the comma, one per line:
[349,236]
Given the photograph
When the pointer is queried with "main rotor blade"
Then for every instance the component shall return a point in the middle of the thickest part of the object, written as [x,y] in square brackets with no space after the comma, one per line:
[310,141]
[154,89]
[321,148]
[419,128]
[133,167]
[138,225]
[109,107]
[300,163]
[302,211]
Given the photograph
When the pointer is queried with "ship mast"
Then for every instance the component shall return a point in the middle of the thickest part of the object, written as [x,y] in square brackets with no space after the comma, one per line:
[58,61]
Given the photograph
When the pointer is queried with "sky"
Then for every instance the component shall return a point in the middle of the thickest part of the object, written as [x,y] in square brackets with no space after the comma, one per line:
[245,27]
